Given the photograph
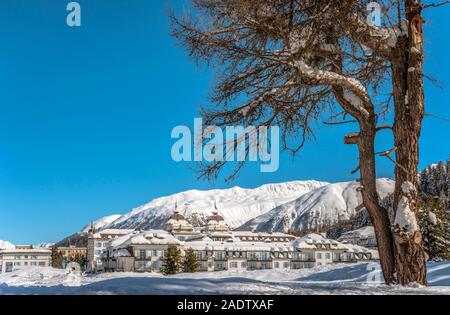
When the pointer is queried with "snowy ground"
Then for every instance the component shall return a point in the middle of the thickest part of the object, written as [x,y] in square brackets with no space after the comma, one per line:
[329,279]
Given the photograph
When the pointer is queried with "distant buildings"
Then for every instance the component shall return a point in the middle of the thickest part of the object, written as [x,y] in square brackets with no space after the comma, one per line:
[24,256]
[363,237]
[216,247]
[69,253]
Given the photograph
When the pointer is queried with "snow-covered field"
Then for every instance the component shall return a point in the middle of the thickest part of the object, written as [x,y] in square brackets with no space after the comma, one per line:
[329,279]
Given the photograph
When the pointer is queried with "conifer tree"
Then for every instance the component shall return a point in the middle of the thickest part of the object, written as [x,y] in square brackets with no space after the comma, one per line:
[57,258]
[172,262]
[434,223]
[190,261]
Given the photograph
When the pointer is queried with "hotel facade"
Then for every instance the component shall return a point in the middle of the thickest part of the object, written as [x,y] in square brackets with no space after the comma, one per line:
[216,247]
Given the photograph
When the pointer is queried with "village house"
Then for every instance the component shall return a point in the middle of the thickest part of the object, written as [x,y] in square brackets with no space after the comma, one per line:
[24,256]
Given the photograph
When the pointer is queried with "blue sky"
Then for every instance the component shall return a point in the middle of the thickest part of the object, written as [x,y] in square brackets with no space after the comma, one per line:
[86,115]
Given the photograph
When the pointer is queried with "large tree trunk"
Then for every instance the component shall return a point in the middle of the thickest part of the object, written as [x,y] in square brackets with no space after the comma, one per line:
[409,112]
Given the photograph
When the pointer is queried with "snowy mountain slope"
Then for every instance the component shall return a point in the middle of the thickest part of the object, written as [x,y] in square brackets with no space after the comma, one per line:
[237,205]
[6,245]
[323,206]
[101,223]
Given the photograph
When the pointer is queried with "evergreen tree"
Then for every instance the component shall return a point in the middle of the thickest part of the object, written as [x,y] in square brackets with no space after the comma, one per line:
[172,262]
[57,258]
[434,223]
[80,260]
[190,261]
[447,168]
[423,182]
[441,180]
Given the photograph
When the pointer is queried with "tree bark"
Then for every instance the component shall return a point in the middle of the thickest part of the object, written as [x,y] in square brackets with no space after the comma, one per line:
[378,214]
[365,140]
[409,98]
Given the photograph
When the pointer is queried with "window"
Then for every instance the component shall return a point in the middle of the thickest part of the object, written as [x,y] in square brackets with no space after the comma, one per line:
[327,256]
[233,265]
[9,267]
[277,265]
[319,256]
[244,264]
[286,265]
[219,255]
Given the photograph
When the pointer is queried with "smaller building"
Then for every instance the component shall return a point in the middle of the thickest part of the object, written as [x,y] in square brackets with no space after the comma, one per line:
[364,237]
[24,256]
[69,253]
[97,245]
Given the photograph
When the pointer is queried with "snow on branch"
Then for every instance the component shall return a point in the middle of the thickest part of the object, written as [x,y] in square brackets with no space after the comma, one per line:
[357,97]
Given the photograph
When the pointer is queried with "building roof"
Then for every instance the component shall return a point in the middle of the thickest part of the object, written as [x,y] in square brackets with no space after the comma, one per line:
[152,237]
[26,251]
[177,216]
[215,217]
[365,232]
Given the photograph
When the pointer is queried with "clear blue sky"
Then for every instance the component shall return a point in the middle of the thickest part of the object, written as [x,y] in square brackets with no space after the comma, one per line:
[86,115]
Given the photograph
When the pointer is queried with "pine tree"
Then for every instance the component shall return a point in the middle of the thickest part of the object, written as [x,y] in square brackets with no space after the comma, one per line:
[441,179]
[447,168]
[190,261]
[172,263]
[57,258]
[434,221]
[81,260]
[423,182]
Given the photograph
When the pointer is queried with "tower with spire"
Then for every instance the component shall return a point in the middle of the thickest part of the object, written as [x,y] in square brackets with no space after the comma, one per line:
[178,225]
[215,222]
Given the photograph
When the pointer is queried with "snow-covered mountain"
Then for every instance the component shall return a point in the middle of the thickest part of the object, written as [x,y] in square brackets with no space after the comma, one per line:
[237,205]
[325,205]
[6,245]
[101,223]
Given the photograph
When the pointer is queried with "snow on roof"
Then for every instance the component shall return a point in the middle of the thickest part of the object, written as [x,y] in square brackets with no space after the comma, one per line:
[26,251]
[138,240]
[363,232]
[260,234]
[351,248]
[220,234]
[239,246]
[115,232]
[152,237]
[314,241]
[121,253]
